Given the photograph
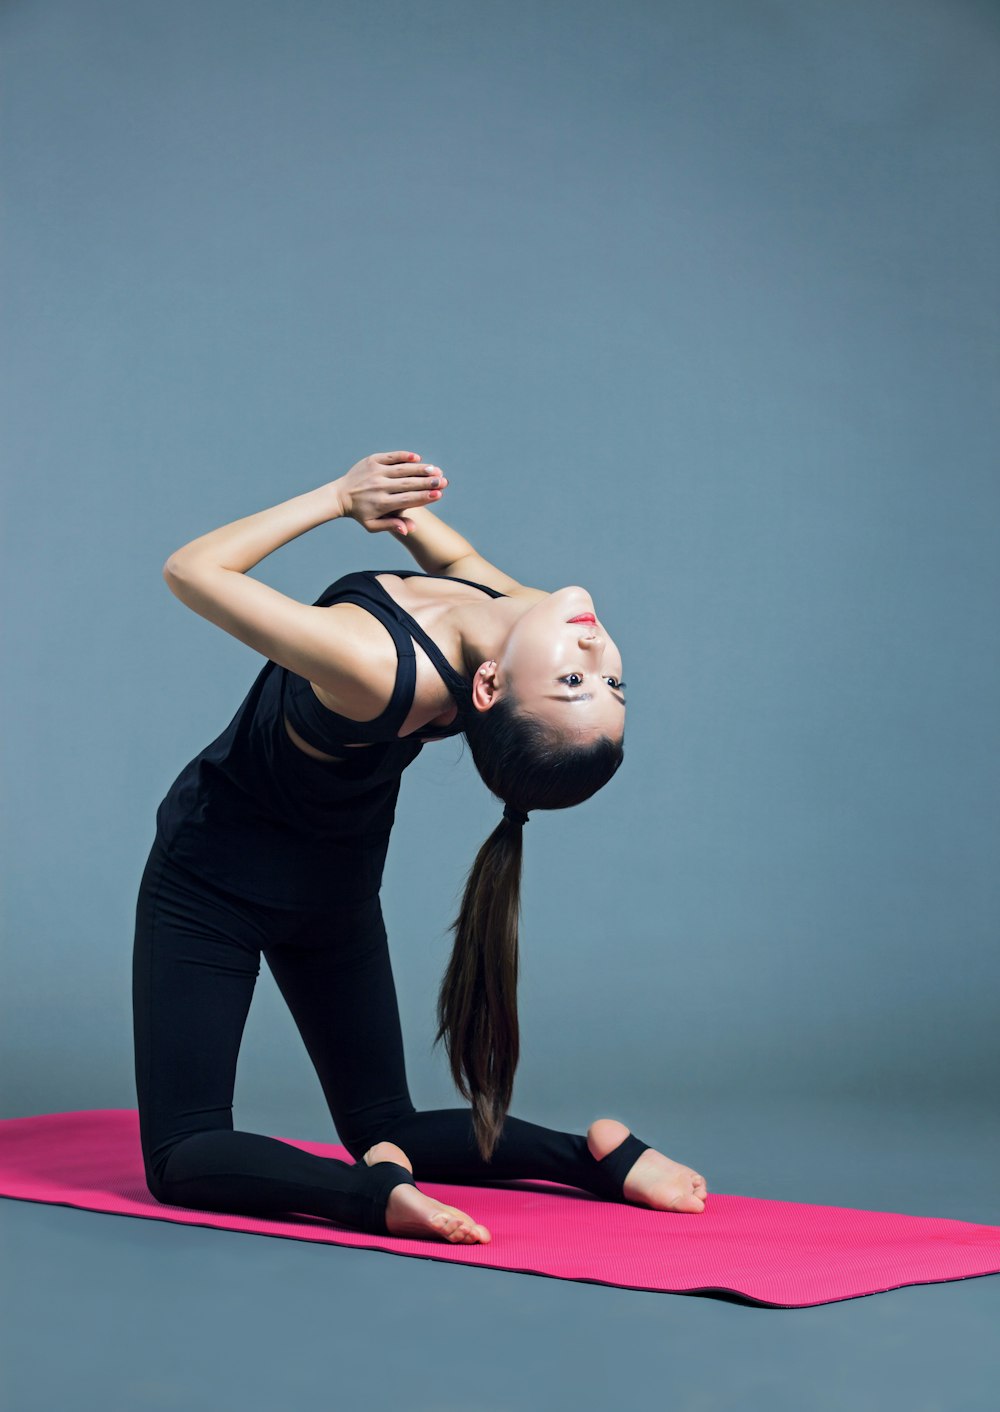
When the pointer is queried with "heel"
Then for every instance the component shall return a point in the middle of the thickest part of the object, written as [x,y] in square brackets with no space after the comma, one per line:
[381,1179]
[612,1169]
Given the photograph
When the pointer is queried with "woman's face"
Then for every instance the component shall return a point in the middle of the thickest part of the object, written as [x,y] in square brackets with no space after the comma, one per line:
[563,672]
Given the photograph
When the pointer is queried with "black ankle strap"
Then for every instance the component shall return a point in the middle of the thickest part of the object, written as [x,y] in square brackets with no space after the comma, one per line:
[615,1167]
[383,1176]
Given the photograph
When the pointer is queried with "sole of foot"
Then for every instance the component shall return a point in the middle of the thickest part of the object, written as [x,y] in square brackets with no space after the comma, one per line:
[410,1212]
[653,1180]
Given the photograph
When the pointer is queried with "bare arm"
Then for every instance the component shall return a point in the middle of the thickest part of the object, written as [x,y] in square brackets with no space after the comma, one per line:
[209,575]
[438,549]
[242,544]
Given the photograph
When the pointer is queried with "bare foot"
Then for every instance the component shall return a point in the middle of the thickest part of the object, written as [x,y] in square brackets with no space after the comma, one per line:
[653,1180]
[410,1213]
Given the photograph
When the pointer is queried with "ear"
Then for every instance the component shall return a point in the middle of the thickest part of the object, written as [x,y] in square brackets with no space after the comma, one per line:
[484,686]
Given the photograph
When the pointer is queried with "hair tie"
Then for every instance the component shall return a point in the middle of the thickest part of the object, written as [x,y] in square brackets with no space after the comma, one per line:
[515,816]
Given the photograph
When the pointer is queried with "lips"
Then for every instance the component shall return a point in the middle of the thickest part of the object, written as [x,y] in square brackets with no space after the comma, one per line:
[582,618]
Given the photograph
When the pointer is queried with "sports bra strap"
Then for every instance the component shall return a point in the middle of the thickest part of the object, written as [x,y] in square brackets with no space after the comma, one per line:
[453,679]
[367,579]
[362,587]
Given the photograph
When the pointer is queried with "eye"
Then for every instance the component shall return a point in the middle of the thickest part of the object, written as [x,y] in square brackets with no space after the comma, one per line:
[568,679]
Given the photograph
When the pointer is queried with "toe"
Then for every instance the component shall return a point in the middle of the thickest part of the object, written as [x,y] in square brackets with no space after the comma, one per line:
[467,1229]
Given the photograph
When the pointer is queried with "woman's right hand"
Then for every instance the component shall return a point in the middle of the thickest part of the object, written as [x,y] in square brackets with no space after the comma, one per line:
[377,490]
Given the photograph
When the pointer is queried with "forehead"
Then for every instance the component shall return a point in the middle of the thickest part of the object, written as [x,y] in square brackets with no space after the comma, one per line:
[583,723]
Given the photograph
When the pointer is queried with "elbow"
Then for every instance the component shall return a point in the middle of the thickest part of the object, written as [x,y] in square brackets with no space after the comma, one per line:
[173,574]
[184,575]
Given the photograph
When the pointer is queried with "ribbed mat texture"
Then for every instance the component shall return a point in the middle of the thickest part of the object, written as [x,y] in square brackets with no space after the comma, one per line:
[782,1253]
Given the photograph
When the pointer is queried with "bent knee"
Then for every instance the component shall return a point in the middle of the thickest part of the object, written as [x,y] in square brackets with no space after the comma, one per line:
[161,1188]
[160,1191]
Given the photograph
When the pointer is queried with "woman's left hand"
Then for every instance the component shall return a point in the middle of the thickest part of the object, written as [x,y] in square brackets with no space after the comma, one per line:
[378,489]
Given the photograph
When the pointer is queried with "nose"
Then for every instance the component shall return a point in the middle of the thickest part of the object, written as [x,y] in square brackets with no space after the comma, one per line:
[591,636]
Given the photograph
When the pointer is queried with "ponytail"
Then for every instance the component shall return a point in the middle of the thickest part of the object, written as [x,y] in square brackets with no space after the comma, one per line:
[522,761]
[477,1002]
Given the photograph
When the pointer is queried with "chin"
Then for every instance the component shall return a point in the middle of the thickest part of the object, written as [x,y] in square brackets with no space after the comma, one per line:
[574,599]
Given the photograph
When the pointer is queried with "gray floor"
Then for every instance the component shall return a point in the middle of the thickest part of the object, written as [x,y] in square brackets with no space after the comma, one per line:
[111,1313]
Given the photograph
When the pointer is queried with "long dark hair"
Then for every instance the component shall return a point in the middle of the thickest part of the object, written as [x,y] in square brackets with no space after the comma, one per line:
[526,764]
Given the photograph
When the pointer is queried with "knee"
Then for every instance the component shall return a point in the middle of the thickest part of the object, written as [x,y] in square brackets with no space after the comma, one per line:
[161,1188]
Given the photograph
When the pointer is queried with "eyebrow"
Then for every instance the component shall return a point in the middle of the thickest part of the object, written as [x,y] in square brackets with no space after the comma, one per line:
[582,696]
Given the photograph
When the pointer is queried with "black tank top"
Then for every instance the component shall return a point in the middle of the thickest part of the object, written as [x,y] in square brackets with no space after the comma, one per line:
[255,814]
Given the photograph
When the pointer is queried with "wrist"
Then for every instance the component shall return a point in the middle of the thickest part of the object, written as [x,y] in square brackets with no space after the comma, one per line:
[432,543]
[336,498]
[416,516]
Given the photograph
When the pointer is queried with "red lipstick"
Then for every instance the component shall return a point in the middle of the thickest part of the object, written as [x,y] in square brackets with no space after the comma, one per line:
[582,618]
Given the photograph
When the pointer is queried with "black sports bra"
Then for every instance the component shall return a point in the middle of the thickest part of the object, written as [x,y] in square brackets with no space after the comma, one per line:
[326,729]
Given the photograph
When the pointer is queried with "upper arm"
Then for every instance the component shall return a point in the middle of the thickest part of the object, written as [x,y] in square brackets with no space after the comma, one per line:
[473,566]
[343,657]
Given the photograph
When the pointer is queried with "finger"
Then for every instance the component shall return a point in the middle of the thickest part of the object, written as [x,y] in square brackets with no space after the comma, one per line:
[418,497]
[390,458]
[388,522]
[409,485]
[408,468]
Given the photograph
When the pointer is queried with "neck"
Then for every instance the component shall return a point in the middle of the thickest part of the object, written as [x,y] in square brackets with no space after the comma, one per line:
[478,631]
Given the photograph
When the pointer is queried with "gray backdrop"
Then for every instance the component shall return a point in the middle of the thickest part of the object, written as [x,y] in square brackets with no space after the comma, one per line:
[696,304]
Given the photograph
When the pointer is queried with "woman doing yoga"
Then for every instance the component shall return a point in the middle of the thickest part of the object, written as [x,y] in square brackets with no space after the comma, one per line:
[272,841]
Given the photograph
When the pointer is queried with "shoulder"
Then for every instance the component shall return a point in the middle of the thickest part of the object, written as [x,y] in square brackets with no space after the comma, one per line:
[355,673]
[341,648]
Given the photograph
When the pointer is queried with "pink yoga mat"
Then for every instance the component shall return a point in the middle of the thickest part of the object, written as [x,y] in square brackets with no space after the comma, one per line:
[775,1252]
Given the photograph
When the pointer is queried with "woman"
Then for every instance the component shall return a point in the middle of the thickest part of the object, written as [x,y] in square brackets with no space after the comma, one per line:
[272,842]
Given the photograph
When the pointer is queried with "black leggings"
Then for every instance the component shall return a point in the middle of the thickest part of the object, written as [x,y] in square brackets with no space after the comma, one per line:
[195,963]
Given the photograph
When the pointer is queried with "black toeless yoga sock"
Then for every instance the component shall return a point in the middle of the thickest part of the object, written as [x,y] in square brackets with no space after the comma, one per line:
[250,1174]
[615,1167]
[386,1176]
[441,1145]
